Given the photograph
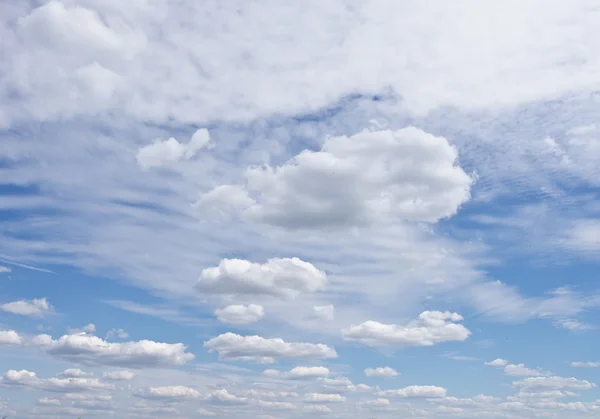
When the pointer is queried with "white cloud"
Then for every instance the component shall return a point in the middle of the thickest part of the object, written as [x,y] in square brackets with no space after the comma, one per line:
[222,396]
[425,392]
[585,364]
[119,333]
[298,373]
[433,327]
[29,379]
[497,363]
[317,409]
[5,269]
[240,314]
[553,383]
[10,337]
[204,412]
[267,404]
[48,401]
[120,375]
[572,324]
[406,174]
[38,307]
[381,372]
[74,372]
[380,402]
[285,278]
[161,152]
[231,346]
[168,393]
[519,370]
[92,350]
[323,312]
[323,398]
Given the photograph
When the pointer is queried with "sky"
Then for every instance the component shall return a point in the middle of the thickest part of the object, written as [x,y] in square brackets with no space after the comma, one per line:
[269,209]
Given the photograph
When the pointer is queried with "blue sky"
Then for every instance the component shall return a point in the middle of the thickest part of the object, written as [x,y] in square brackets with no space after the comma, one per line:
[344,209]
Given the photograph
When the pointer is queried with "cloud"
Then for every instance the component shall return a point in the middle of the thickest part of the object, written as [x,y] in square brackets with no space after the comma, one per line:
[553,383]
[120,333]
[496,363]
[240,314]
[29,379]
[323,398]
[380,402]
[49,402]
[161,152]
[222,396]
[417,392]
[90,328]
[10,337]
[406,174]
[521,371]
[38,307]
[284,278]
[317,409]
[5,269]
[323,312]
[231,346]
[585,364]
[267,404]
[381,372]
[120,375]
[573,325]
[92,350]
[74,373]
[433,327]
[298,373]
[168,393]
[204,412]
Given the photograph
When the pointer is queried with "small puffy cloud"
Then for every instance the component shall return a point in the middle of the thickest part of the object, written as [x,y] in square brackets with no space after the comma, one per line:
[268,404]
[317,409]
[10,337]
[433,327]
[298,373]
[377,403]
[5,269]
[204,412]
[168,393]
[24,378]
[88,328]
[162,152]
[38,307]
[324,398]
[589,364]
[240,314]
[49,402]
[222,396]
[120,375]
[231,346]
[92,350]
[74,372]
[536,384]
[521,371]
[323,312]
[339,384]
[381,372]
[283,278]
[496,363]
[405,174]
[572,325]
[119,333]
[416,392]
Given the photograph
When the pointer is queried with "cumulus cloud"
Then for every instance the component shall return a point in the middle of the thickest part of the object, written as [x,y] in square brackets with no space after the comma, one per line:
[168,393]
[433,327]
[162,152]
[284,278]
[119,333]
[417,392]
[589,364]
[240,314]
[298,373]
[406,174]
[222,396]
[120,375]
[323,398]
[553,383]
[496,363]
[521,371]
[380,402]
[74,372]
[92,350]
[49,402]
[317,409]
[38,307]
[5,269]
[323,312]
[231,346]
[267,404]
[24,378]
[10,337]
[381,372]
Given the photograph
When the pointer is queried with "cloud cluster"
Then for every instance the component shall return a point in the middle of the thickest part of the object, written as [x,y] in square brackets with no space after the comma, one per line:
[24,378]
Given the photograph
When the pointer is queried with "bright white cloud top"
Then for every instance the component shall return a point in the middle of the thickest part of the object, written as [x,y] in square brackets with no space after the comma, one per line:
[279,209]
